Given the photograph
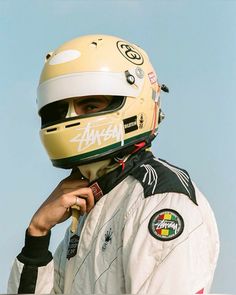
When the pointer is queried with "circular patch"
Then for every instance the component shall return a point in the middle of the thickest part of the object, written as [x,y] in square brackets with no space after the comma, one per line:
[130,53]
[139,72]
[166,225]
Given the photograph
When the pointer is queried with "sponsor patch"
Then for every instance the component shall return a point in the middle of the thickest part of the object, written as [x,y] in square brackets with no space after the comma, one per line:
[166,225]
[130,53]
[141,121]
[152,77]
[130,124]
[72,248]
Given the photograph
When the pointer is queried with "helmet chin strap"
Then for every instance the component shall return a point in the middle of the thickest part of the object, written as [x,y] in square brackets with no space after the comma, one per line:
[137,147]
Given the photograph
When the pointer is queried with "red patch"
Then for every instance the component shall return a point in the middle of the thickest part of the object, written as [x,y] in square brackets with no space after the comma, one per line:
[97,192]
[152,77]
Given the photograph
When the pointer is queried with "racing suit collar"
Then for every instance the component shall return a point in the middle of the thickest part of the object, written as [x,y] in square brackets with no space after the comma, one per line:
[155,175]
[107,182]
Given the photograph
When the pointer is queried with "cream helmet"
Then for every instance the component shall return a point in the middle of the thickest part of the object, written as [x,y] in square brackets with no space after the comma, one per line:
[96,65]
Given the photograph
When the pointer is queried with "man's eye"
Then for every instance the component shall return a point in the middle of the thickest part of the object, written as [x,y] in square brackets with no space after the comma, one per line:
[91,107]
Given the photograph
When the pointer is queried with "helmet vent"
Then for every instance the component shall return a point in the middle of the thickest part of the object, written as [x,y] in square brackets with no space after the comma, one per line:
[72,125]
[51,130]
[94,44]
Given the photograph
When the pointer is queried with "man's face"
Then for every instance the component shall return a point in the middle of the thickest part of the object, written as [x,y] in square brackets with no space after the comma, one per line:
[91,104]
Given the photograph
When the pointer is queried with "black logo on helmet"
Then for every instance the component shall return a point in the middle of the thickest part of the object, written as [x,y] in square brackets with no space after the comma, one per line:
[130,53]
[130,124]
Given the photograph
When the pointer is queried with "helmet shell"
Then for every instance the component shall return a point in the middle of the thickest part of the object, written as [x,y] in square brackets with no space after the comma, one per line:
[98,65]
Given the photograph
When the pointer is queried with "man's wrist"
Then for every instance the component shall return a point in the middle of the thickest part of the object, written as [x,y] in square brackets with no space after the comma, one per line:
[36,231]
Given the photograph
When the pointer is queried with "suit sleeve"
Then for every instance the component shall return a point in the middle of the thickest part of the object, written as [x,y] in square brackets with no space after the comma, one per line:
[175,260]
[32,271]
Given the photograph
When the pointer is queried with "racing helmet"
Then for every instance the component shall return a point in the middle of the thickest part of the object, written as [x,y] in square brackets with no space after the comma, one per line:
[97,65]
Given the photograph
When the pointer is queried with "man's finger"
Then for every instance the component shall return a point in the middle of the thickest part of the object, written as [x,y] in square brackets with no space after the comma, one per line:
[85,199]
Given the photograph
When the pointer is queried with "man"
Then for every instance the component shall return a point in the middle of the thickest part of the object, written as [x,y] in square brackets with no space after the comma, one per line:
[144,227]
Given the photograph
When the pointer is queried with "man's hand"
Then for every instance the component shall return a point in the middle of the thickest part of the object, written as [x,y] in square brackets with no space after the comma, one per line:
[56,208]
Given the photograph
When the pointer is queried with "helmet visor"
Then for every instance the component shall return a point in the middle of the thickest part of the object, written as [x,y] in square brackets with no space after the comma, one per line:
[79,107]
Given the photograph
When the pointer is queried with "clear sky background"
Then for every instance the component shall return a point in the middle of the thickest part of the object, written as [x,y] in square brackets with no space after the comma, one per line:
[192,45]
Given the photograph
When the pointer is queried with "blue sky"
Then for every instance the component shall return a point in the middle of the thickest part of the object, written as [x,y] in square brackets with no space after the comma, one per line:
[192,45]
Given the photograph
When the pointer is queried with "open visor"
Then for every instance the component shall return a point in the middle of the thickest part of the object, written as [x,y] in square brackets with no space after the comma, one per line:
[87,84]
[63,110]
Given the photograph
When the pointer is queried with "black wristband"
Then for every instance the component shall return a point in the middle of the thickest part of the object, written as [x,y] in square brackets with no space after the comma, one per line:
[35,251]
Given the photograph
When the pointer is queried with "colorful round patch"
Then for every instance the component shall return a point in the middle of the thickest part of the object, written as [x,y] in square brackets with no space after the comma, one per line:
[166,225]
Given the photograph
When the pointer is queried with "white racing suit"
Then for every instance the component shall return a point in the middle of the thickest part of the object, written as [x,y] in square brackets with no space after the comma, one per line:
[151,231]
